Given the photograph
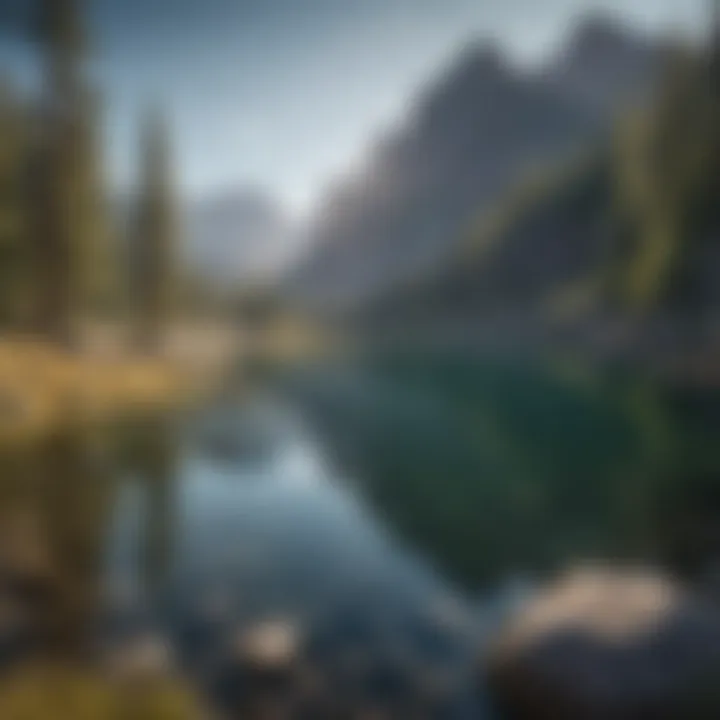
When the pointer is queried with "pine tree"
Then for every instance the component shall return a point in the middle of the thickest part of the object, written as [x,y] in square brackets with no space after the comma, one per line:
[68,191]
[97,273]
[155,238]
[668,190]
[14,138]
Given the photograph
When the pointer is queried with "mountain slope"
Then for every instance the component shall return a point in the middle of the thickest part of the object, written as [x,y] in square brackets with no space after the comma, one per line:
[542,247]
[471,138]
[631,234]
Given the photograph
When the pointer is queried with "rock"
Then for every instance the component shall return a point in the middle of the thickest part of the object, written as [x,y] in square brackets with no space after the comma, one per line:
[269,645]
[146,657]
[608,644]
[216,605]
[259,674]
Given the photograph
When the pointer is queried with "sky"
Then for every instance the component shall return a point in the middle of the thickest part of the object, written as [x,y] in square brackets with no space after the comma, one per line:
[286,95]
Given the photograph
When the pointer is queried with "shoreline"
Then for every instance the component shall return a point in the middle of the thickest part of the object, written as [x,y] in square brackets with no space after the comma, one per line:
[44,387]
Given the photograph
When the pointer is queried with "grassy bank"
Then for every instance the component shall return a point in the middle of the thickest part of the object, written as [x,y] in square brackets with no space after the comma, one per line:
[43,386]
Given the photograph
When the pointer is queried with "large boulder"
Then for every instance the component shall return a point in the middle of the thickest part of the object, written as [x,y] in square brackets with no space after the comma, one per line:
[608,644]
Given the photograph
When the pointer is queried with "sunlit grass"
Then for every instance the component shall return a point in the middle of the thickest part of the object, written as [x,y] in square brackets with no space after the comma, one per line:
[43,386]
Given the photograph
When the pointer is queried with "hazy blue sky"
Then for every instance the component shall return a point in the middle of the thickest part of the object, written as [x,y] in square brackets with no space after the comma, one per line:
[287,93]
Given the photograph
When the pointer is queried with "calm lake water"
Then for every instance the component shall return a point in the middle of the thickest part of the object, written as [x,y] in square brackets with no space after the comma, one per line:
[389,513]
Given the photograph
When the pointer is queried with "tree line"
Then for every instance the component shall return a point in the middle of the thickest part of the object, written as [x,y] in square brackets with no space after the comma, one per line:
[667,184]
[63,257]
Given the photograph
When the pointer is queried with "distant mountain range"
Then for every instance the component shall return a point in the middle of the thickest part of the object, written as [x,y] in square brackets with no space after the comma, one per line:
[239,236]
[480,130]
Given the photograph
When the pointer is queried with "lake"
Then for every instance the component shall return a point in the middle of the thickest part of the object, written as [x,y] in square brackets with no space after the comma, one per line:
[375,518]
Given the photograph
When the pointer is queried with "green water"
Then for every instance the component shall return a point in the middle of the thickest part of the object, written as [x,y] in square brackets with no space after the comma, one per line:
[506,466]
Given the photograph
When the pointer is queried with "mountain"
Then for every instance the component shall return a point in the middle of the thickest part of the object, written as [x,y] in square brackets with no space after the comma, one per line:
[606,66]
[239,236]
[515,262]
[626,238]
[477,132]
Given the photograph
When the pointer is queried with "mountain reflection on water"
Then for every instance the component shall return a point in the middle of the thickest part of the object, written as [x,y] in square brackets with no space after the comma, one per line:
[386,513]
[506,468]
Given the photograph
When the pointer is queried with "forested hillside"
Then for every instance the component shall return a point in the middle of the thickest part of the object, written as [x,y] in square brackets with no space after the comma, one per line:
[628,233]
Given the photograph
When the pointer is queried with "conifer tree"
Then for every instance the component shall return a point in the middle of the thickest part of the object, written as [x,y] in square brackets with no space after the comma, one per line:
[14,138]
[668,174]
[71,225]
[155,237]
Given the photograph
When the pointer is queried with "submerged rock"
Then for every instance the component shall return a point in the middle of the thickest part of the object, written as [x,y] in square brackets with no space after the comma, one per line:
[143,658]
[609,644]
[258,675]
[269,645]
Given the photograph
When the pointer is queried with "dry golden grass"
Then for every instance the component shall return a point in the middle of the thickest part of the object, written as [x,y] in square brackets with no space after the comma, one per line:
[42,386]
